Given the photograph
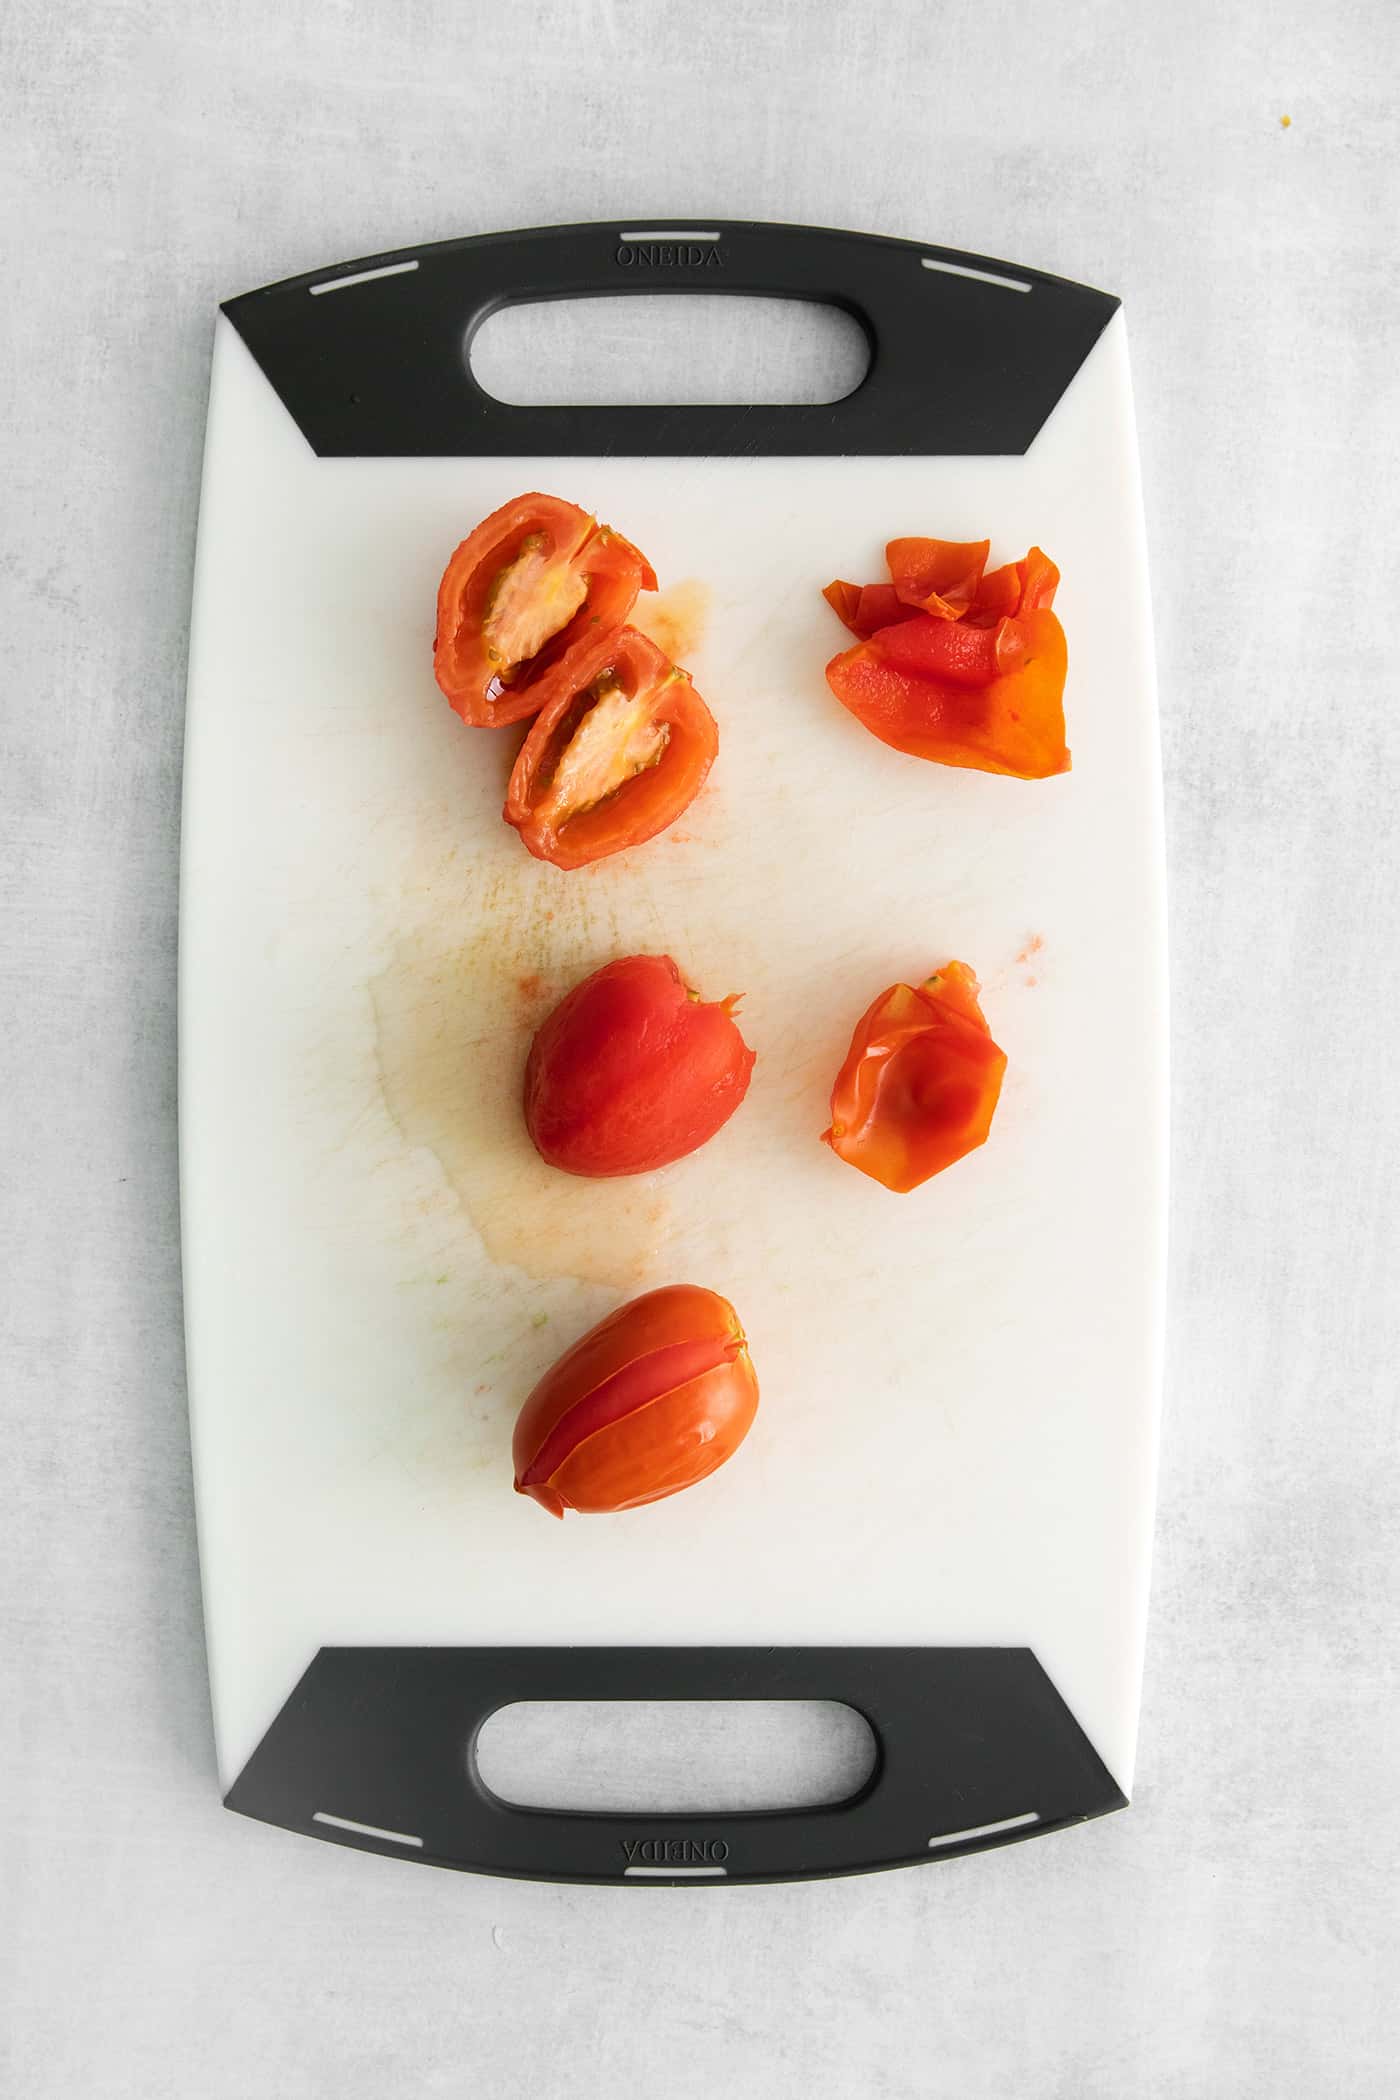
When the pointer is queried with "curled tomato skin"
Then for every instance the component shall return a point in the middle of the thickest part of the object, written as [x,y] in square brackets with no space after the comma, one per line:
[923,647]
[940,577]
[632,1070]
[867,607]
[1019,587]
[968,669]
[651,1400]
[920,1082]
[623,747]
[531,587]
[1013,722]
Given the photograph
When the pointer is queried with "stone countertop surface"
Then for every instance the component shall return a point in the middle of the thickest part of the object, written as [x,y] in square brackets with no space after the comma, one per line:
[1232,173]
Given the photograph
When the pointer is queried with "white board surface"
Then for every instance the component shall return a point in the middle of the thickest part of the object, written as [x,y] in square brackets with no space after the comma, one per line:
[956,1439]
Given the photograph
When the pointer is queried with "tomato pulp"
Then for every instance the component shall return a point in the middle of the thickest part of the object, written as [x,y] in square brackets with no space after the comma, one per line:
[622,748]
[523,595]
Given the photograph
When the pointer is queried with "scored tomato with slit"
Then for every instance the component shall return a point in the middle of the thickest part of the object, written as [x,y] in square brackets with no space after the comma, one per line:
[650,1401]
[532,587]
[622,748]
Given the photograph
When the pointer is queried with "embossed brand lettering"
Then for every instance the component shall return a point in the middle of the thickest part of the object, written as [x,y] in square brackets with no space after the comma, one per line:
[675,1852]
[668,255]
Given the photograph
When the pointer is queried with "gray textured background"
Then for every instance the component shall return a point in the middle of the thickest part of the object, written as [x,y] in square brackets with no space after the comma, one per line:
[1233,1933]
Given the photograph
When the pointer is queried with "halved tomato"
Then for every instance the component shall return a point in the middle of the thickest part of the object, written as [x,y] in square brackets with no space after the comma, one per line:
[522,596]
[622,748]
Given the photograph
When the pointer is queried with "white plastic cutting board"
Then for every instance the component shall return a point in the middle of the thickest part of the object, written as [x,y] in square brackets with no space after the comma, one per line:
[956,1437]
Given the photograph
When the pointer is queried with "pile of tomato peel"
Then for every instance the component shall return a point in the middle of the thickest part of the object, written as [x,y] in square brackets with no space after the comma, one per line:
[633,1070]
[955,665]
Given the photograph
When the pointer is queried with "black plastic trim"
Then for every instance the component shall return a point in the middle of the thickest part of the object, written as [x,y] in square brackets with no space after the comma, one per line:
[959,364]
[382,1740]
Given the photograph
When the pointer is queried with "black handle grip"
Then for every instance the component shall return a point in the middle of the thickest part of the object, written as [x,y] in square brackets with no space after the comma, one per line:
[375,1748]
[968,355]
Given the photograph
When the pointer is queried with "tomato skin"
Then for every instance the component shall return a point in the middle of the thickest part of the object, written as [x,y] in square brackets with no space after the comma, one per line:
[926,647]
[640,806]
[1014,723]
[938,576]
[867,607]
[651,1400]
[969,669]
[1019,587]
[632,1071]
[920,1082]
[609,569]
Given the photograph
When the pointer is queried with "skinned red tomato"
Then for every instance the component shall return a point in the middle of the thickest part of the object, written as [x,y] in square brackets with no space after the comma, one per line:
[972,672]
[619,752]
[522,596]
[632,1070]
[920,1083]
[650,1401]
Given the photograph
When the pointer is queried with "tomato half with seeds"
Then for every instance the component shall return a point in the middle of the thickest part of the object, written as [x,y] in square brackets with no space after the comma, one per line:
[633,1070]
[620,751]
[528,590]
[651,1400]
[920,1083]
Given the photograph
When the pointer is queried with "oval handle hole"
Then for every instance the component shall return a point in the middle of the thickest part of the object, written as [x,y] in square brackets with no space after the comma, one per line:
[675,1756]
[675,349]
